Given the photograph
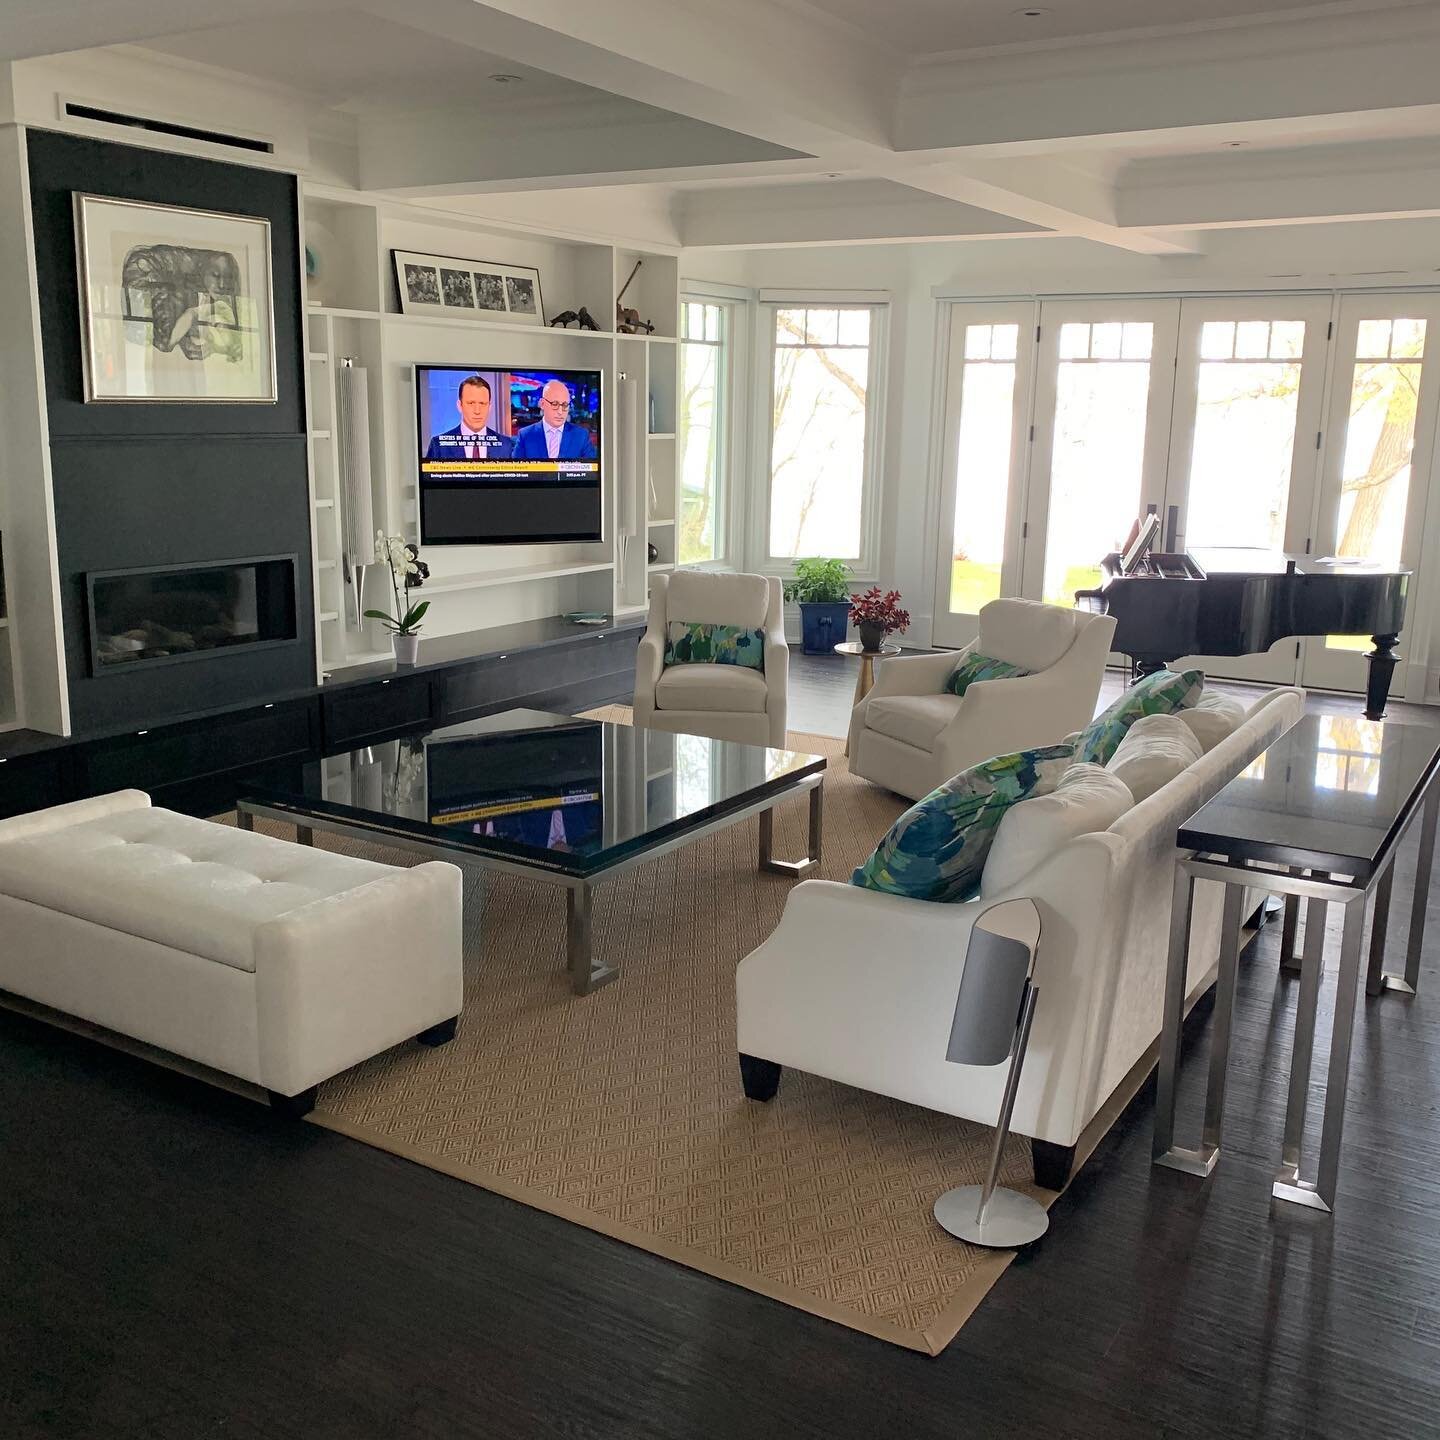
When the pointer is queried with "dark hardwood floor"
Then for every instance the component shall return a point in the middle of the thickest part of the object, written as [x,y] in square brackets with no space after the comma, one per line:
[174,1263]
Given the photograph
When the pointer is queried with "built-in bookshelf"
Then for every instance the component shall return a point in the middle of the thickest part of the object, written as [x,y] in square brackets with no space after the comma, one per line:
[353,313]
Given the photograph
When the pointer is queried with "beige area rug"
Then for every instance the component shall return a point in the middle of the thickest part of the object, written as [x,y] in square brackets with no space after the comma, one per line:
[623,1111]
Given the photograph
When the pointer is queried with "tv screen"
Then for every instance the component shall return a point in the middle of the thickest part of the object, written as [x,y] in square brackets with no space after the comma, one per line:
[537,789]
[508,457]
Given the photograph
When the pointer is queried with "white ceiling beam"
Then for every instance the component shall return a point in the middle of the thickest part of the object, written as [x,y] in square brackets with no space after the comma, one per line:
[1144,90]
[1375,181]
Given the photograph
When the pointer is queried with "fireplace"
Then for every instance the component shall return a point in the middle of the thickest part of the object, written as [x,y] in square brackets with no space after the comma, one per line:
[175,613]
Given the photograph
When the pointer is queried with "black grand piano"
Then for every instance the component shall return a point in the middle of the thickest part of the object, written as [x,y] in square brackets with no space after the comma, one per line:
[1239,602]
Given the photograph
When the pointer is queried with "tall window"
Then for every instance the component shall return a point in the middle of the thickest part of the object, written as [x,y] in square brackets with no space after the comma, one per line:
[704,328]
[820,431]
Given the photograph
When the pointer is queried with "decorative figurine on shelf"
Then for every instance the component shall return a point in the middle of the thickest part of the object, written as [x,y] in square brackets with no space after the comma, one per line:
[407,572]
[586,319]
[628,322]
[563,319]
[652,552]
[877,614]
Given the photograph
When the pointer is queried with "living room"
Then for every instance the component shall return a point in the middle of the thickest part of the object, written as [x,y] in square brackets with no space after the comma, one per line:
[916,523]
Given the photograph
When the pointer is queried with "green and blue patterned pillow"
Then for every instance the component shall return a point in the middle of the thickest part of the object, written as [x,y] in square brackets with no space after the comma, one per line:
[980,667]
[936,850]
[1161,693]
[691,642]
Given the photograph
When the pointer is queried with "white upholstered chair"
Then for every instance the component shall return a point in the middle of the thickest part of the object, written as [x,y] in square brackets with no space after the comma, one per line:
[910,734]
[726,702]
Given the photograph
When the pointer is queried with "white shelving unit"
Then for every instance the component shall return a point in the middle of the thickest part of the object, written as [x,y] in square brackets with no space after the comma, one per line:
[475,586]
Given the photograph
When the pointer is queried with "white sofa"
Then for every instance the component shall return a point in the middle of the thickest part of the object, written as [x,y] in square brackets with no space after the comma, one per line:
[909,734]
[726,702]
[266,960]
[860,986]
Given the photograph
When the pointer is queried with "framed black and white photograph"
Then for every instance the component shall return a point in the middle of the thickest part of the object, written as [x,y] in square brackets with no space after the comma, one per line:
[478,290]
[176,304]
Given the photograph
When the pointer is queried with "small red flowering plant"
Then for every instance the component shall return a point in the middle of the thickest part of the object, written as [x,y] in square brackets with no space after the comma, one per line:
[880,609]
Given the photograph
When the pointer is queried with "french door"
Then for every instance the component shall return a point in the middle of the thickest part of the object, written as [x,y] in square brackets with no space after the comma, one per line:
[1249,386]
[987,416]
[1378,454]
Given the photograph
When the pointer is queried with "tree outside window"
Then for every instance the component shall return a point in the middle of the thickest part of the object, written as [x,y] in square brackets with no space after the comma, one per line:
[818,431]
[702,421]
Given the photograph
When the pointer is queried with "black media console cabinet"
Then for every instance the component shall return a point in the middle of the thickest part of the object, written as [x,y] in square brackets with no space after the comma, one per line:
[191,763]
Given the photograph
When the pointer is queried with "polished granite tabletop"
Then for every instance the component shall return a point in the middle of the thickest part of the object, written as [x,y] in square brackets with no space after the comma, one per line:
[549,791]
[1333,793]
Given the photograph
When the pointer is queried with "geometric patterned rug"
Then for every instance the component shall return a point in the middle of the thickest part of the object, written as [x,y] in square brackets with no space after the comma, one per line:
[622,1111]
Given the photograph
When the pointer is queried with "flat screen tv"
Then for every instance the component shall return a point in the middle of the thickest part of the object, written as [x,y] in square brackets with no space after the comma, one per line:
[509,456]
[533,789]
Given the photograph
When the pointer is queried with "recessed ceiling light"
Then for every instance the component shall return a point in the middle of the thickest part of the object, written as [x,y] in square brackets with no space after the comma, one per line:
[1233,144]
[504,79]
[830,174]
[1031,12]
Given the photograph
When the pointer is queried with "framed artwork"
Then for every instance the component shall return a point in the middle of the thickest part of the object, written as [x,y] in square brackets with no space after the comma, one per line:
[479,290]
[176,305]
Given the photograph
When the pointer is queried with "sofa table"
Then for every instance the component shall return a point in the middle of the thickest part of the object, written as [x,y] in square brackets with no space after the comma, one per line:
[1318,816]
[554,798]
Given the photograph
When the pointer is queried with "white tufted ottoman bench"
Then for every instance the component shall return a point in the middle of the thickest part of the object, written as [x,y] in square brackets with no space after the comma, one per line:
[269,961]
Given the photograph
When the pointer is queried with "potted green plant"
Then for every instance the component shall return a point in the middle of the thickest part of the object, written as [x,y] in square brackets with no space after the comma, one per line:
[822,589]
[407,571]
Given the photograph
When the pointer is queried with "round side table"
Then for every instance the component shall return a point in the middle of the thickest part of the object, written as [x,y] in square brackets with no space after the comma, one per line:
[865,682]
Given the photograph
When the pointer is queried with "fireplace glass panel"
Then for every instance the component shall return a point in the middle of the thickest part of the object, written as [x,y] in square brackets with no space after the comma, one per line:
[173,614]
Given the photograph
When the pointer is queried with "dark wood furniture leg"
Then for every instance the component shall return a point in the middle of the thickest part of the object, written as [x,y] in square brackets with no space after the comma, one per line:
[293,1107]
[1382,666]
[1052,1163]
[761,1078]
[441,1034]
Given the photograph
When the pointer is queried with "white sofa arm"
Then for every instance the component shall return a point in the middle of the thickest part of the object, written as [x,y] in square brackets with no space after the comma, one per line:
[850,976]
[59,817]
[347,976]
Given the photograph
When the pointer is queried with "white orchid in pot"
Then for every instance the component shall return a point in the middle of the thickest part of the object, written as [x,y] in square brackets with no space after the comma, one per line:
[407,572]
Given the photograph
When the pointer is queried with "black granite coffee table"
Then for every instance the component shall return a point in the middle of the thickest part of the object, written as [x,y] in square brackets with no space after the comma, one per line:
[1318,816]
[565,801]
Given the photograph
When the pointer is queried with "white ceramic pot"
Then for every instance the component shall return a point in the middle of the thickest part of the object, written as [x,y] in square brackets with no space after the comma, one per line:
[407,648]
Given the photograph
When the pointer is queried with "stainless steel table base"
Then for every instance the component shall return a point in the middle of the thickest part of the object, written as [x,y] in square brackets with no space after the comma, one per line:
[586,973]
[811,862]
[1289,1185]
[1377,978]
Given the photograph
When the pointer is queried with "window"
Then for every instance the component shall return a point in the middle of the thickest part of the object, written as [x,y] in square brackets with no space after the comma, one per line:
[703,421]
[821,436]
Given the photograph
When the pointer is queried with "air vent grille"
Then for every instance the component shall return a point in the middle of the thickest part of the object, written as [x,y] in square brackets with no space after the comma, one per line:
[166,127]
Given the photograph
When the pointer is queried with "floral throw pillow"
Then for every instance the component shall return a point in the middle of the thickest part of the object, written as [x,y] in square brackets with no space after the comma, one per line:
[980,667]
[936,850]
[691,642]
[1160,693]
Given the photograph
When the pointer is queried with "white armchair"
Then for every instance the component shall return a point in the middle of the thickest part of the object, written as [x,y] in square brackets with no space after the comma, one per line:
[726,702]
[910,734]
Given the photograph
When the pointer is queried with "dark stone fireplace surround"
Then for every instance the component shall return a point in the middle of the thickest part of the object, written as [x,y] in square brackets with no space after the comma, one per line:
[157,486]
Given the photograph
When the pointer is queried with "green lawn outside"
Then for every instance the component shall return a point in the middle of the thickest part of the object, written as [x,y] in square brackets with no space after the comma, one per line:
[972,584]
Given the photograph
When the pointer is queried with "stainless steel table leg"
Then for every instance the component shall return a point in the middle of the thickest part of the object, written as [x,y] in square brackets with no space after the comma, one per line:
[1288,930]
[811,861]
[1302,1054]
[586,975]
[1164,1151]
[1424,865]
[1321,1195]
[1379,925]
[1224,1019]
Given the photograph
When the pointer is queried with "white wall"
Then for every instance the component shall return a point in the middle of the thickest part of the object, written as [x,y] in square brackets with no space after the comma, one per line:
[1367,255]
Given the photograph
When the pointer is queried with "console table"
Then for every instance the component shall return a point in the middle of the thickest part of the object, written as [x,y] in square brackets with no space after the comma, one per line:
[1319,816]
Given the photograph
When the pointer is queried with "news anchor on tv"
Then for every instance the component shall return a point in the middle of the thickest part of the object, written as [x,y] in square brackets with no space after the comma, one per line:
[472,438]
[554,437]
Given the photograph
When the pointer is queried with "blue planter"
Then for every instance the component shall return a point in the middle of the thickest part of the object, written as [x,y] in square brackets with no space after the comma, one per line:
[823,626]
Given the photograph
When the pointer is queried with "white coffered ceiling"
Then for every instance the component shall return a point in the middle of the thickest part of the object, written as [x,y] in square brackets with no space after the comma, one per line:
[792,122]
